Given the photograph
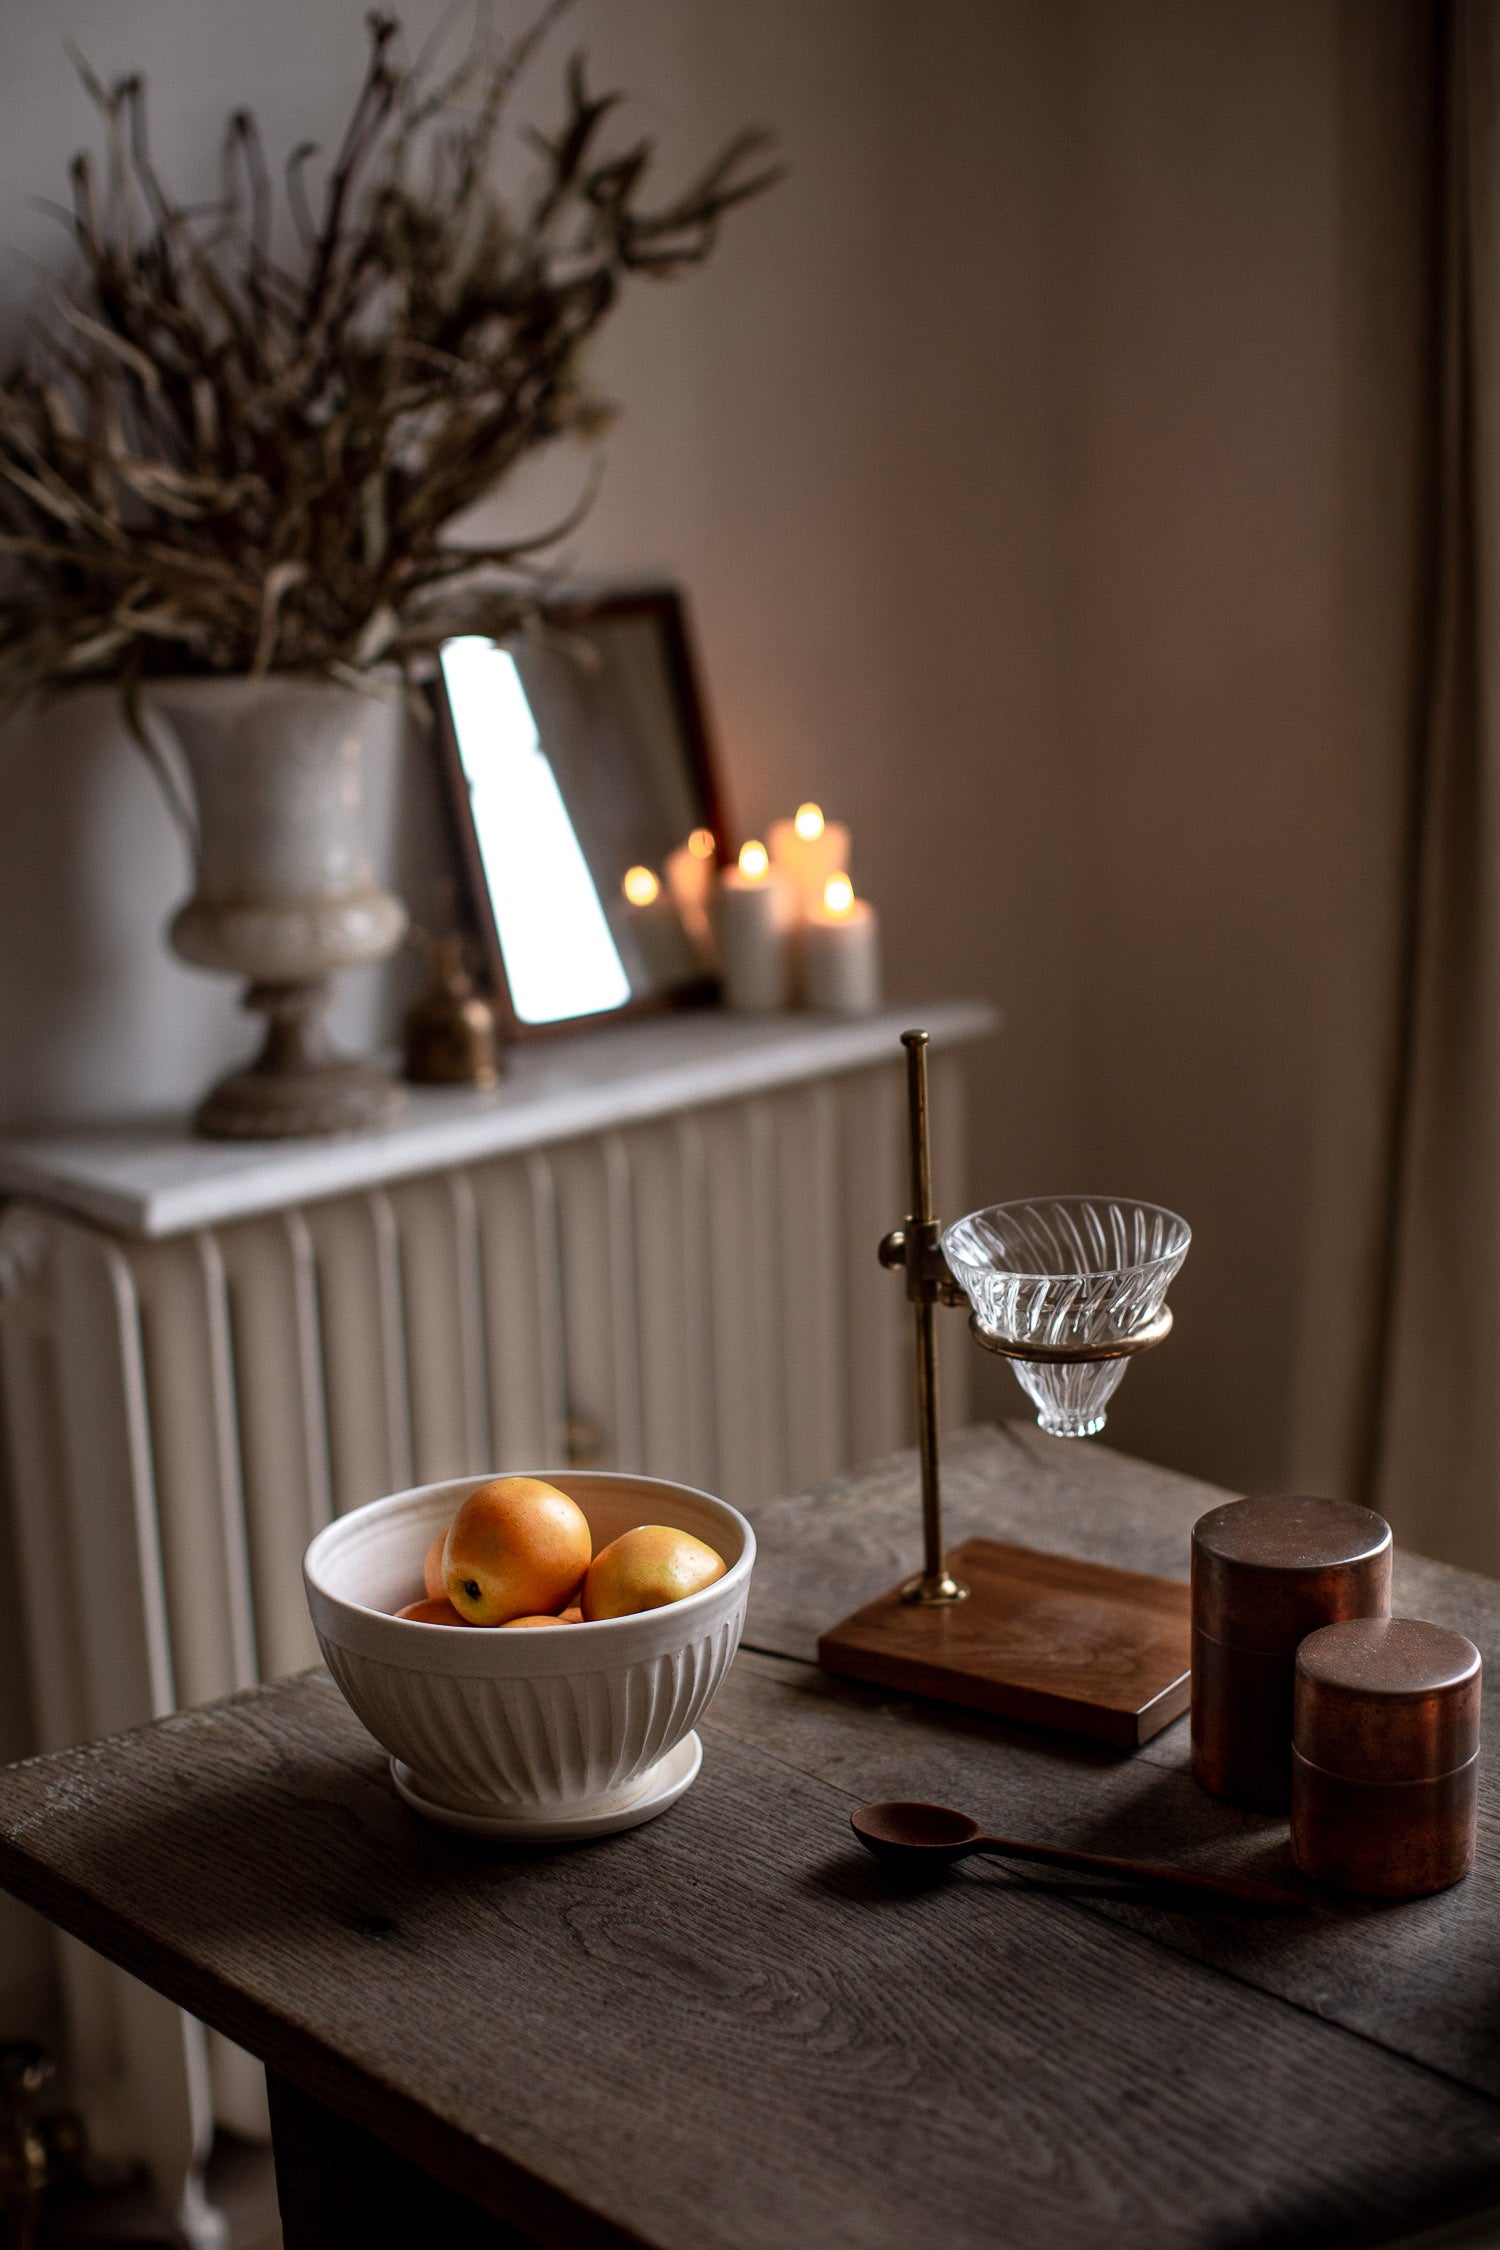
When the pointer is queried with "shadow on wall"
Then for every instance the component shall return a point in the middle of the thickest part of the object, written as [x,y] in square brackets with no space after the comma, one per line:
[97,1017]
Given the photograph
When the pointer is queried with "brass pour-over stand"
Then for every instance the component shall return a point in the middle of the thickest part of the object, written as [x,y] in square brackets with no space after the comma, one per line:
[1046,1638]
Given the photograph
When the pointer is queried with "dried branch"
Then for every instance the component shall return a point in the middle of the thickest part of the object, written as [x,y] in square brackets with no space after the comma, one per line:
[211,463]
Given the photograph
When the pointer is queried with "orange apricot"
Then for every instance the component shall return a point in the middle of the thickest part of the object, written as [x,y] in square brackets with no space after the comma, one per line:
[516,1548]
[432,1613]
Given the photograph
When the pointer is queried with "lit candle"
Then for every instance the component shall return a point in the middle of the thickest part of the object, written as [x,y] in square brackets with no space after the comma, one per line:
[753,912]
[808,850]
[665,957]
[840,946]
[690,879]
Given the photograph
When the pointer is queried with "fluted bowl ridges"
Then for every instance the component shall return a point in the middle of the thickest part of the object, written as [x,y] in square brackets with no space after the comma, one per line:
[544,1723]
[1067,1269]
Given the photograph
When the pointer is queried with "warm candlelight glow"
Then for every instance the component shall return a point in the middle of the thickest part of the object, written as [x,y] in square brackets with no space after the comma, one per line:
[641,886]
[701,843]
[754,860]
[809,822]
[838,894]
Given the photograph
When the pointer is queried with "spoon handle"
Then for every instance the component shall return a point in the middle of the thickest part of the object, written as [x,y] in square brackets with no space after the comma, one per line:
[1243,1888]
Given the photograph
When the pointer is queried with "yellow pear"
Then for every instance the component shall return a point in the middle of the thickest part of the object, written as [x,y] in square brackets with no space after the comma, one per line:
[645,1569]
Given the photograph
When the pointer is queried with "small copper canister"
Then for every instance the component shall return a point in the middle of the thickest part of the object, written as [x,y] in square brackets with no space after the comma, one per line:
[1385,1756]
[1266,1573]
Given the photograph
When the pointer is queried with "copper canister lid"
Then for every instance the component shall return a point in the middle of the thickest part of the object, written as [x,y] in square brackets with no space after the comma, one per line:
[1387,1699]
[1268,1571]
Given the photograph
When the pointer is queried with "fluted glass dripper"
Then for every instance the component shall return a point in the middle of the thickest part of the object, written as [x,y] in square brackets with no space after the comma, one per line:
[1061,1271]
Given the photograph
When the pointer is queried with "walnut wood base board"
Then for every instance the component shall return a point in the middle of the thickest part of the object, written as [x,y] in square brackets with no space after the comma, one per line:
[1059,1643]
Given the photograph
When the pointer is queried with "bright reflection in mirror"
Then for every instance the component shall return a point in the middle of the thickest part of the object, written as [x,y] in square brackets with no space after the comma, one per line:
[640,886]
[701,843]
[560,958]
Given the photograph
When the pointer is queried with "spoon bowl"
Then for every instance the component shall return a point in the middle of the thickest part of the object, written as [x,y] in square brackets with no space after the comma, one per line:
[895,1829]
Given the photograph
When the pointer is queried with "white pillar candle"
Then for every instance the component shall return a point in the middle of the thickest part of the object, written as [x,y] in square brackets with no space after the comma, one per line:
[808,851]
[840,945]
[690,879]
[653,929]
[753,913]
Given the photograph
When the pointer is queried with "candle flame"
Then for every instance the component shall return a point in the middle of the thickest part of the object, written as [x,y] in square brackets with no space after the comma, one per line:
[809,822]
[754,860]
[701,843]
[641,886]
[838,894]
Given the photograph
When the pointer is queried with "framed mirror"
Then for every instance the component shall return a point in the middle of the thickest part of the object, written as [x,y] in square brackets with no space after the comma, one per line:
[587,812]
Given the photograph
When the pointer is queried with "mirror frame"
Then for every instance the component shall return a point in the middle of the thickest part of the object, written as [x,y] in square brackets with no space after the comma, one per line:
[665,603]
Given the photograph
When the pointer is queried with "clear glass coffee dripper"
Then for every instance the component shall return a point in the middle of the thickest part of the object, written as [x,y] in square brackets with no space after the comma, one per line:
[1061,1277]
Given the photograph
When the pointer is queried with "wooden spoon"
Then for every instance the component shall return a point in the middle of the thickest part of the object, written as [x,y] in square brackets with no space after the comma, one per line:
[917,1835]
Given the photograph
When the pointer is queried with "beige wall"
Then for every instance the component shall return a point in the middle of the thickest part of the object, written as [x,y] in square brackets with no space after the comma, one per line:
[1040,461]
[1018,457]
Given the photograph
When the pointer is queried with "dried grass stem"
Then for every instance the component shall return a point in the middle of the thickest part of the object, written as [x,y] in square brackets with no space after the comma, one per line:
[211,462]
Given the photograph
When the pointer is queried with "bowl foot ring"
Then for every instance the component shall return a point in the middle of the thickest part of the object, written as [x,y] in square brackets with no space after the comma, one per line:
[640,1801]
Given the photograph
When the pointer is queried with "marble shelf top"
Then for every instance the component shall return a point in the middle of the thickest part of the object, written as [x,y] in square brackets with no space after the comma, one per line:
[148,1176]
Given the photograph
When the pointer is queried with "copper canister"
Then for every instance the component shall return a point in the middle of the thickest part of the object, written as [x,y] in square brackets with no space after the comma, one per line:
[1266,1573]
[1385,1756]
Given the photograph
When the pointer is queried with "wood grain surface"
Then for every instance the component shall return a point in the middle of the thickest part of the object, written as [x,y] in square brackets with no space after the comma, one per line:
[726,2028]
[1054,1640]
[731,2030]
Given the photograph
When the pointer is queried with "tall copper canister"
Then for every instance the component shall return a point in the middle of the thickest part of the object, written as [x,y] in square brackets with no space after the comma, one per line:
[1266,1573]
[1385,1756]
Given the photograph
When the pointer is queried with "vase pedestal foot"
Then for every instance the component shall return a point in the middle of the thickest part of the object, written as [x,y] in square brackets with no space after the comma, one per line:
[299,1086]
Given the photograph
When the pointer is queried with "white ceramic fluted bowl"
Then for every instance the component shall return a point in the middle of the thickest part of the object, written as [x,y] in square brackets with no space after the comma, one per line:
[545,1724]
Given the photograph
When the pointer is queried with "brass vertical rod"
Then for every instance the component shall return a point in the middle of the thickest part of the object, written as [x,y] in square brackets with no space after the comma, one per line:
[935,1583]
[918,1157]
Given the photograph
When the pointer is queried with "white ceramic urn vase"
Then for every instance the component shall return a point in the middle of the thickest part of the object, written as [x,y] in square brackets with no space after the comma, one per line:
[286,773]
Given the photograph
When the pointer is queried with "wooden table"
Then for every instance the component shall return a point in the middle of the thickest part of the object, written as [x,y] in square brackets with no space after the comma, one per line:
[730,2030]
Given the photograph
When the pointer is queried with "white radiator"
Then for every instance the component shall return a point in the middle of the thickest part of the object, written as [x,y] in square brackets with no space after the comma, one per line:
[696,1297]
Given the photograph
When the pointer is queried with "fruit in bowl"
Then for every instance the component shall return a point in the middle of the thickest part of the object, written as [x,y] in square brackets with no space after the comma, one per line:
[553,1724]
[645,1569]
[520,1552]
[516,1548]
[428,1612]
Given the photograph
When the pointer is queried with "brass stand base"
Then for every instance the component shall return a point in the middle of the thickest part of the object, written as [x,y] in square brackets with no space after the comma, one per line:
[298,1086]
[941,1587]
[1045,1638]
